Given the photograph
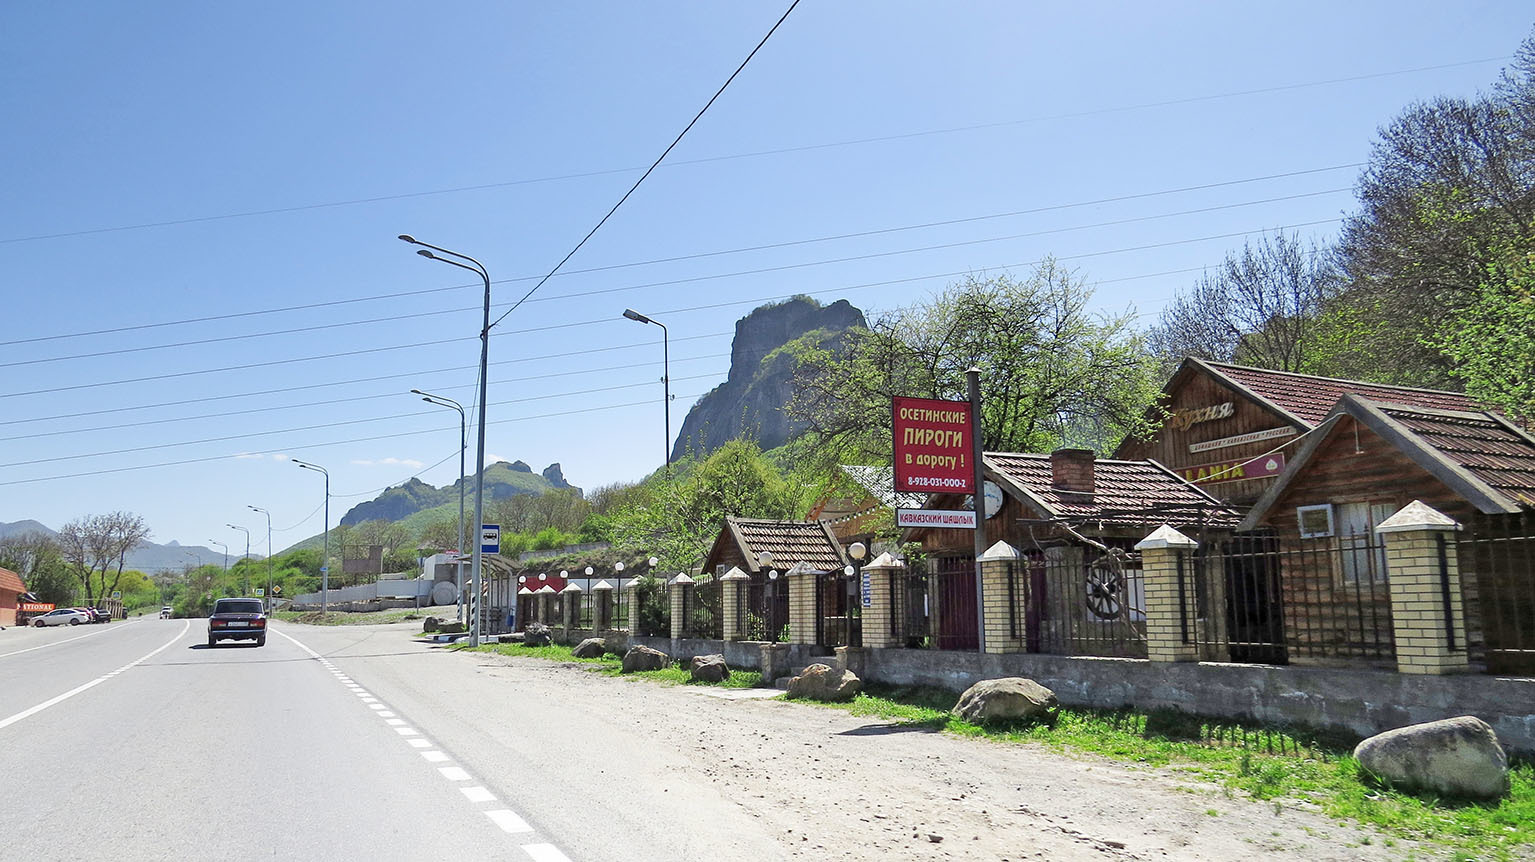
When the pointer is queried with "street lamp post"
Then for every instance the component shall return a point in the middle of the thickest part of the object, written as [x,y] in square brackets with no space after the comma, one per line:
[324,554]
[268,596]
[463,445]
[226,553]
[247,557]
[666,377]
[479,455]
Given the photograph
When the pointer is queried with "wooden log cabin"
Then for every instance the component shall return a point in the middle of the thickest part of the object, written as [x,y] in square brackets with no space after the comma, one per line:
[1367,460]
[1230,429]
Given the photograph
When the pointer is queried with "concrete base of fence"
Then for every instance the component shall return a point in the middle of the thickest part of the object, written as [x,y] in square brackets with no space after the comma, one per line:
[1357,702]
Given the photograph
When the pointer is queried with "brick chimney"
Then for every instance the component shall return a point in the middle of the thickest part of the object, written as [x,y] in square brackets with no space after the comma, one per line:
[1072,470]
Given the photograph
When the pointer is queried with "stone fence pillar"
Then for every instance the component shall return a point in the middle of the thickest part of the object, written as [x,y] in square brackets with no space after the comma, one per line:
[634,606]
[884,574]
[678,589]
[602,610]
[1427,615]
[732,585]
[1003,598]
[572,596]
[802,586]
[1170,606]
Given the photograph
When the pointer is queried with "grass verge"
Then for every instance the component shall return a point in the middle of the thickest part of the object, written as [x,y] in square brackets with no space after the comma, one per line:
[609,665]
[344,618]
[1286,767]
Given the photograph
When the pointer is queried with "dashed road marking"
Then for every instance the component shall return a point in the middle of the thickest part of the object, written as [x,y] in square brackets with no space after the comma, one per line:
[435,756]
[545,853]
[454,773]
[508,821]
[6,722]
[480,794]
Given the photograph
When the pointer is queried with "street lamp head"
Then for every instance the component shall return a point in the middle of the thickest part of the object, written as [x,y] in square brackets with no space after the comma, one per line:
[857,550]
[426,252]
[408,238]
[417,392]
[635,315]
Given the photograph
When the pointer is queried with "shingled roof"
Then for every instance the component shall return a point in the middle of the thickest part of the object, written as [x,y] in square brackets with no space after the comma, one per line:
[11,582]
[1125,492]
[1310,398]
[790,542]
[1479,455]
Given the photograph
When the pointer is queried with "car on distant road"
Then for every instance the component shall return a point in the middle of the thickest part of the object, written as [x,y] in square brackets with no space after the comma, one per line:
[165,612]
[237,619]
[62,617]
[106,614]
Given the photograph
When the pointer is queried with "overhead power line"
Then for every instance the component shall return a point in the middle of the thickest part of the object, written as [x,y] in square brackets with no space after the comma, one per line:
[648,171]
[604,320]
[802,148]
[676,258]
[395,436]
[395,318]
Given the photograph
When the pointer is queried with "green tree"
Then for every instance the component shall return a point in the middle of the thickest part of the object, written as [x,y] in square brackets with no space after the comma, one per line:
[37,558]
[1052,372]
[1492,338]
[96,547]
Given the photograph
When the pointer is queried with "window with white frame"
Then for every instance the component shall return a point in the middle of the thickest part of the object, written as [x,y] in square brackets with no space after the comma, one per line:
[1315,521]
[1361,553]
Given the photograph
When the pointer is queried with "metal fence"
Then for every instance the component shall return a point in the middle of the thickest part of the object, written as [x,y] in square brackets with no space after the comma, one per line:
[701,610]
[653,596]
[1254,599]
[1083,600]
[838,615]
[1496,555]
[765,613]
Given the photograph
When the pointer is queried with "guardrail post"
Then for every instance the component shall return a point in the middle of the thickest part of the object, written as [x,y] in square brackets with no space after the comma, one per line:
[1170,607]
[1427,615]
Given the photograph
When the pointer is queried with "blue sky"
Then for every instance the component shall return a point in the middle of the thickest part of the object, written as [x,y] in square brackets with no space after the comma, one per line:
[182,176]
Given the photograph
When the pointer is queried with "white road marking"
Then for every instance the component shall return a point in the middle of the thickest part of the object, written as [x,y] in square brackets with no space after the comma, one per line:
[480,794]
[420,743]
[6,722]
[406,731]
[435,756]
[55,643]
[545,853]
[453,773]
[394,722]
[385,714]
[377,706]
[508,821]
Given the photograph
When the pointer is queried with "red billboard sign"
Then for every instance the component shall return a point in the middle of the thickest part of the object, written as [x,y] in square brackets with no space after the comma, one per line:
[932,446]
[36,607]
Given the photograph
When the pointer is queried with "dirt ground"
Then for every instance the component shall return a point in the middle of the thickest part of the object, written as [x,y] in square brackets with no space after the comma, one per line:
[830,785]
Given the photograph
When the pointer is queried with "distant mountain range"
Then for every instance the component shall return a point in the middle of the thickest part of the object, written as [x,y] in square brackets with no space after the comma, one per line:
[148,556]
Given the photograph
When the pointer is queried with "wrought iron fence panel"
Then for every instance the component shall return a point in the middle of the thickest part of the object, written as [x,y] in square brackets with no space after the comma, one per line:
[838,616]
[1255,599]
[655,606]
[909,604]
[1496,559]
[1083,600]
[701,612]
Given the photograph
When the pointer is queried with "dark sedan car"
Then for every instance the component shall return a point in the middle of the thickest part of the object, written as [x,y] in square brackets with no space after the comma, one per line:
[237,619]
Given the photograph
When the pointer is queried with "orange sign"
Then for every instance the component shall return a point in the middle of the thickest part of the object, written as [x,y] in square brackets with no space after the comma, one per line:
[36,607]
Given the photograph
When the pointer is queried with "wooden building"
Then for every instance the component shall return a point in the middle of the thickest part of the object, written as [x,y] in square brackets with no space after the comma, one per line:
[1075,519]
[766,550]
[1232,429]
[1368,459]
[11,589]
[862,502]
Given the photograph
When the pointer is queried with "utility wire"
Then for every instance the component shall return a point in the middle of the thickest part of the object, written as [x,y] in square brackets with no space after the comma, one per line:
[254,434]
[676,258]
[394,436]
[757,153]
[651,169]
[625,288]
[603,320]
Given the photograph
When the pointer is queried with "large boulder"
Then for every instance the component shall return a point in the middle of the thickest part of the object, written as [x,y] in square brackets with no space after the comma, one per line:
[589,648]
[537,634]
[644,658]
[454,628]
[430,625]
[509,638]
[1012,698]
[1453,757]
[823,682]
[710,668]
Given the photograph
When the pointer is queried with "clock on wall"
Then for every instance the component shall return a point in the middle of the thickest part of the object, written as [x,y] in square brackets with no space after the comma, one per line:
[993,497]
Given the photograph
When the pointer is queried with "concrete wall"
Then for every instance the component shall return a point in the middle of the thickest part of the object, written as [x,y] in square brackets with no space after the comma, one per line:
[742,654]
[1359,702]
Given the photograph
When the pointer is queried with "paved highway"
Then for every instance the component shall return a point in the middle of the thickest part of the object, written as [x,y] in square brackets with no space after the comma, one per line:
[134,740]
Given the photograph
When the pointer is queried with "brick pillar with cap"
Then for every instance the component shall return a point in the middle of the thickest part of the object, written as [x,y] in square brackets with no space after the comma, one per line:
[1427,615]
[1170,604]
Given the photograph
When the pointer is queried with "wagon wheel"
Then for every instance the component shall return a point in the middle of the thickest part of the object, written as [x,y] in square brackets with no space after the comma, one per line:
[1103,594]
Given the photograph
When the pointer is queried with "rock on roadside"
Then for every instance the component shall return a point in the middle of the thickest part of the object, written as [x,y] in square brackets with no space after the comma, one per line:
[710,668]
[430,625]
[822,682]
[537,634]
[644,658]
[1012,698]
[1455,757]
[589,648]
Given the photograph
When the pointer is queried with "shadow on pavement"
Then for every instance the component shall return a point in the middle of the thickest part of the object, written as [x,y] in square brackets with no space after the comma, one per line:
[888,729]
